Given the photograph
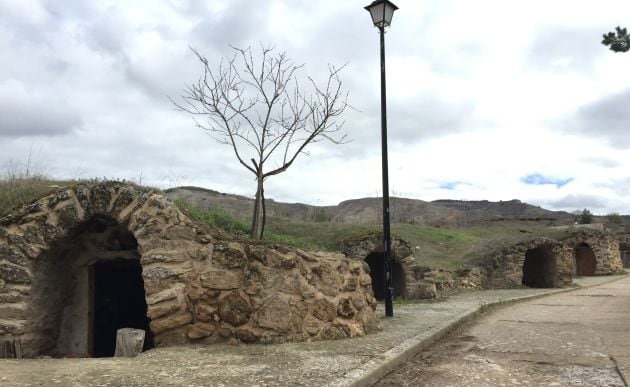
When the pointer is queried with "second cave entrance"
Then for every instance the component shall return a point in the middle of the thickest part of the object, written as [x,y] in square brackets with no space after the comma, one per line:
[375,261]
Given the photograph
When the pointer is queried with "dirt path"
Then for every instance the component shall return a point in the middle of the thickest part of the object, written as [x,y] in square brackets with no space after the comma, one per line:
[576,338]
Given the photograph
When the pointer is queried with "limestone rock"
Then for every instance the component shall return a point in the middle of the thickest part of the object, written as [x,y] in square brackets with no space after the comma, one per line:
[324,309]
[274,314]
[220,279]
[200,330]
[234,309]
[160,325]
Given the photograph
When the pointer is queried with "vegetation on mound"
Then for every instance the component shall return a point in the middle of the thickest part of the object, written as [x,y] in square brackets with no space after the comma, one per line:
[220,220]
[16,191]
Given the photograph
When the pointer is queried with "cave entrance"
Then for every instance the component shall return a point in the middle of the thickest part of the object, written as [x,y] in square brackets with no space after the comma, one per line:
[117,301]
[539,268]
[85,286]
[585,261]
[375,262]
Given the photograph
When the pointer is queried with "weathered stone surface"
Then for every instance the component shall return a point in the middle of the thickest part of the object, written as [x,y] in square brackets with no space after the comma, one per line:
[345,309]
[13,255]
[162,309]
[200,330]
[158,272]
[234,309]
[350,285]
[327,279]
[351,329]
[10,297]
[15,274]
[331,332]
[160,325]
[247,335]
[274,314]
[205,312]
[311,325]
[230,255]
[12,312]
[220,279]
[165,295]
[426,289]
[324,309]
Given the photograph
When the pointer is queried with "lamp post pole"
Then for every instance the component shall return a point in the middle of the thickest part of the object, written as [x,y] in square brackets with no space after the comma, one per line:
[387,257]
[382,12]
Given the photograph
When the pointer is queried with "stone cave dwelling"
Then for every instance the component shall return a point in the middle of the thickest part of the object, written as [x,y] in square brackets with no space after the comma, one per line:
[536,262]
[89,259]
[548,263]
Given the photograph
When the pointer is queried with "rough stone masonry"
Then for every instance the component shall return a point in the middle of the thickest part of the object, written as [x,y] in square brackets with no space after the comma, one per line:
[198,287]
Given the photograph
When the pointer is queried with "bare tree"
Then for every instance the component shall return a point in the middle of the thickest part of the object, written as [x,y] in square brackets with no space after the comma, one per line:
[257,106]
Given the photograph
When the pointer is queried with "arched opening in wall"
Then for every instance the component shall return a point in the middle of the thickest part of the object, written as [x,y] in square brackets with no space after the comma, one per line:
[85,286]
[398,280]
[375,262]
[585,261]
[539,268]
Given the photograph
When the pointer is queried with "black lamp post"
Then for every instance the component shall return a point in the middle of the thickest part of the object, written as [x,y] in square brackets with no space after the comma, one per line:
[382,12]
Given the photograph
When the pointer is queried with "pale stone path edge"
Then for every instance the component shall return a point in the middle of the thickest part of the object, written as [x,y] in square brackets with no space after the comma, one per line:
[370,372]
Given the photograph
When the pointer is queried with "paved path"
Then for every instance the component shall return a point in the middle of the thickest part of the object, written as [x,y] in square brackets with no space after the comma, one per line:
[358,361]
[575,338]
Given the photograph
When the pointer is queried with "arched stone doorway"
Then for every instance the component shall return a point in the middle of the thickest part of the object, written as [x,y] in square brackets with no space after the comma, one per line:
[585,261]
[85,287]
[539,268]
[375,261]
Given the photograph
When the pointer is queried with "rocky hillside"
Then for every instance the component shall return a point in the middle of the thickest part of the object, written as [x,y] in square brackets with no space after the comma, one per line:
[447,213]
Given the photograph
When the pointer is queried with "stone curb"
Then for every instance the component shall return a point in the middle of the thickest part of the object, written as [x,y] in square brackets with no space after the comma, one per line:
[370,372]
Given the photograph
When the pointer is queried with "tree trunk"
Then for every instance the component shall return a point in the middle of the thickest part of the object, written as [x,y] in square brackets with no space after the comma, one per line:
[264,213]
[255,232]
[129,342]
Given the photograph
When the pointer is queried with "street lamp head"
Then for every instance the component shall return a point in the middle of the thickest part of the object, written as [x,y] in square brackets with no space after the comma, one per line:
[381,12]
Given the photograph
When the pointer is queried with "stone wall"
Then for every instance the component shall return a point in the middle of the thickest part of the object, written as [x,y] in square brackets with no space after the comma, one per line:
[418,282]
[197,287]
[505,268]
[410,285]
[605,247]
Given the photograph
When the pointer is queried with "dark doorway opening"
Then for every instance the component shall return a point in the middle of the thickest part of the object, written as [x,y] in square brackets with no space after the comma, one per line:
[375,262]
[539,268]
[585,261]
[398,280]
[118,301]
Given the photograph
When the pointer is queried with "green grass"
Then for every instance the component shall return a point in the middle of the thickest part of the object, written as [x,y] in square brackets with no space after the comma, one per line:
[216,218]
[219,219]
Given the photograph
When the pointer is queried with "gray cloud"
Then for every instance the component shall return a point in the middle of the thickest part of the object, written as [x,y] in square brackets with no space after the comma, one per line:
[562,49]
[579,201]
[237,25]
[429,116]
[24,113]
[608,117]
[108,33]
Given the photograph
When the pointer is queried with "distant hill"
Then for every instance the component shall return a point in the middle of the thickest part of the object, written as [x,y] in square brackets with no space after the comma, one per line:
[444,213]
[484,210]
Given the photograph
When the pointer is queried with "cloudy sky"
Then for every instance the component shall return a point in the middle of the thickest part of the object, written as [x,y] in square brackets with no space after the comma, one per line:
[487,99]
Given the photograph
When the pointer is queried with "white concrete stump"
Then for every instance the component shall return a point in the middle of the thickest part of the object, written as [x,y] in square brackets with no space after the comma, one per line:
[129,342]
